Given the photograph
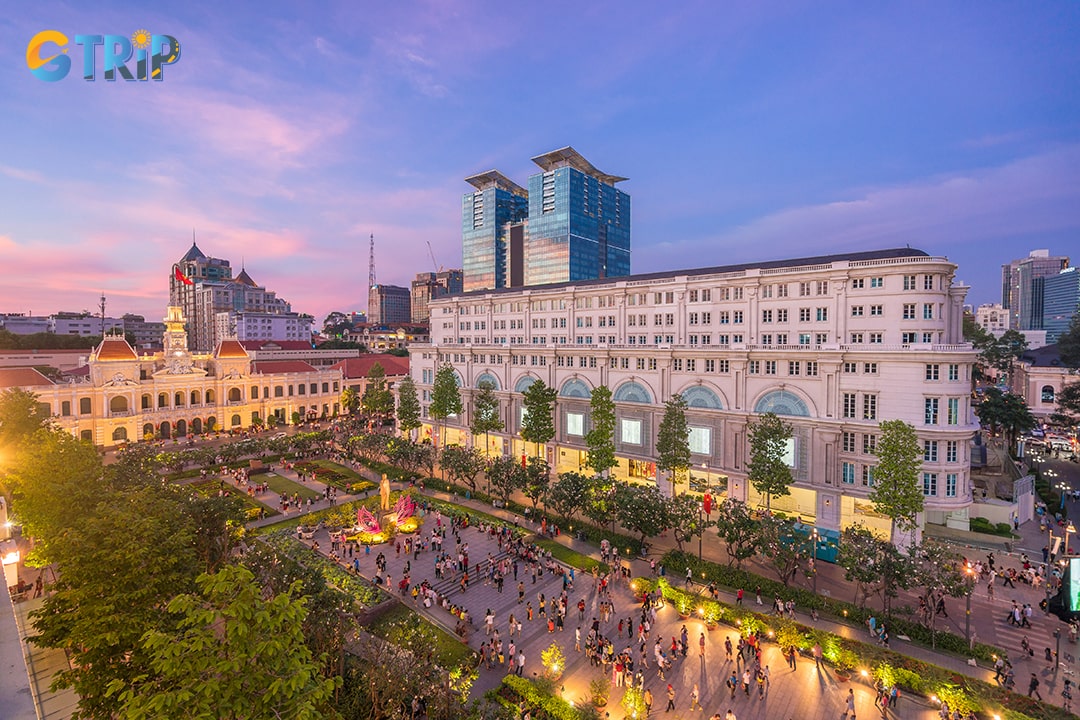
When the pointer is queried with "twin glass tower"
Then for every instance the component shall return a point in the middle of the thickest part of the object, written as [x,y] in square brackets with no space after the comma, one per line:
[571,224]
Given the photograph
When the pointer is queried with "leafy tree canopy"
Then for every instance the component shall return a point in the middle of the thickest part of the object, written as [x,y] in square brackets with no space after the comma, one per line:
[767,470]
[897,491]
[601,436]
[408,410]
[538,427]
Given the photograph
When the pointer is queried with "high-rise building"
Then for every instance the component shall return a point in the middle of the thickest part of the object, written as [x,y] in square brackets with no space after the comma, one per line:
[1061,302]
[571,224]
[486,218]
[992,318]
[579,222]
[388,304]
[428,285]
[199,270]
[1022,287]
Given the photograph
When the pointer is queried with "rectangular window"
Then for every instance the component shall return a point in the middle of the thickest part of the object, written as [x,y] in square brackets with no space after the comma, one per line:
[736,317]
[781,315]
[870,368]
[804,338]
[847,473]
[875,338]
[856,311]
[877,282]
[781,291]
[928,282]
[766,316]
[909,282]
[793,367]
[848,442]
[869,444]
[781,338]
[691,365]
[822,314]
[929,451]
[868,476]
[811,368]
[909,338]
[928,311]
[753,367]
[857,284]
[932,371]
[770,367]
[701,440]
[706,318]
[928,337]
[950,485]
[869,407]
[850,367]
[766,339]
[710,366]
[877,310]
[856,338]
[929,482]
[766,291]
[575,424]
[706,295]
[954,411]
[951,451]
[849,405]
[676,364]
[909,311]
[725,317]
[804,289]
[804,314]
[724,366]
[930,411]
[630,431]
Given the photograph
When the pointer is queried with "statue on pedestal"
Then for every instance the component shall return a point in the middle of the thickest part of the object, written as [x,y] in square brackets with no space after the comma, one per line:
[384,492]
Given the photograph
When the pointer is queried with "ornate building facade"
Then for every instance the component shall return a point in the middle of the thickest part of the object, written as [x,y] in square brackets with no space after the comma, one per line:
[834,344]
[121,396]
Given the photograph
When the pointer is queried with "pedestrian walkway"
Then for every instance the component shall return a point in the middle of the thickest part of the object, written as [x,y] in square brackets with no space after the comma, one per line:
[41,665]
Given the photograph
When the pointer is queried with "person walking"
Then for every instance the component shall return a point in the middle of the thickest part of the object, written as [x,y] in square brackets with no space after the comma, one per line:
[648,700]
[849,709]
[732,684]
[670,698]
[694,705]
[727,646]
[1033,687]
[701,644]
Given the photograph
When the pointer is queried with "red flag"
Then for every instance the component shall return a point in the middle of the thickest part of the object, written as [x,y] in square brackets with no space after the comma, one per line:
[182,277]
[707,504]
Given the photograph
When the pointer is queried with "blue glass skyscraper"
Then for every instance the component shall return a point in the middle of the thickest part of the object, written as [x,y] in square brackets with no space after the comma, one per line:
[1061,301]
[571,224]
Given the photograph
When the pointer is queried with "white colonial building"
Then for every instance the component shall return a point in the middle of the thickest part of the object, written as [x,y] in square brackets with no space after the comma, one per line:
[834,344]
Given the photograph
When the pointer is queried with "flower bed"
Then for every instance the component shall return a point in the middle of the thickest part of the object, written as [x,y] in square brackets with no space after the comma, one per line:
[911,675]
[734,578]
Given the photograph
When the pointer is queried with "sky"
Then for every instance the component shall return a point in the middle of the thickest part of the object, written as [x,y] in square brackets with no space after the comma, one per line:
[286,133]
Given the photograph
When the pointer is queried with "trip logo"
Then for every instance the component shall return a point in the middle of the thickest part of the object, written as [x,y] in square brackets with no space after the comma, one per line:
[48,58]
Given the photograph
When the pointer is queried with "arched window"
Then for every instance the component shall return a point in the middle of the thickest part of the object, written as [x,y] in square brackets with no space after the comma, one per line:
[234,395]
[210,397]
[84,406]
[484,378]
[782,402]
[181,428]
[165,431]
[195,397]
[148,431]
[699,396]
[65,408]
[575,388]
[1048,393]
[523,383]
[196,426]
[119,434]
[279,391]
[178,400]
[118,404]
[162,400]
[632,392]
[235,421]
[147,402]
[211,424]
[254,392]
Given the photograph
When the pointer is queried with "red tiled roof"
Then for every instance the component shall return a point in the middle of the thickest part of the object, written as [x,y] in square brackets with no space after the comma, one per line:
[79,371]
[352,368]
[115,348]
[276,367]
[230,349]
[22,377]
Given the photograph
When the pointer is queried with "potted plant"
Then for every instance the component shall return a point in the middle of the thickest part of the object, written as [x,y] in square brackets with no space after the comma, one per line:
[600,691]
[711,612]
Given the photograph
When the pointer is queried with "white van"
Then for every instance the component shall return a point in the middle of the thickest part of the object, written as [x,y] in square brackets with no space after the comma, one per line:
[1059,444]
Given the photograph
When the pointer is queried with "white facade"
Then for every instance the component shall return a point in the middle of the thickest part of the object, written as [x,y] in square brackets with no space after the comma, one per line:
[993,318]
[263,326]
[835,344]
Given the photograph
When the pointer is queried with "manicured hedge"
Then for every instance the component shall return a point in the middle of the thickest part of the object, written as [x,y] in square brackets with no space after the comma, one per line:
[541,702]
[734,578]
[910,674]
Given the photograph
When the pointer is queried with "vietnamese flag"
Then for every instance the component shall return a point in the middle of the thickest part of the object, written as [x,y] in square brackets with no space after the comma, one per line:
[182,277]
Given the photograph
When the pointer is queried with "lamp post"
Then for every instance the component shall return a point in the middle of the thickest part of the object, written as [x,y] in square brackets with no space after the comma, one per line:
[1069,530]
[967,614]
[1065,490]
[813,556]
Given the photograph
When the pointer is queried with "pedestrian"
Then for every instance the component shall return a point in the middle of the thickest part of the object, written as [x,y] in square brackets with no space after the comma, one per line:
[729,715]
[520,662]
[732,683]
[670,698]
[694,705]
[701,644]
[727,646]
[689,576]
[648,700]
[746,682]
[1033,685]
[739,596]
[757,595]
[791,658]
[817,654]
[849,712]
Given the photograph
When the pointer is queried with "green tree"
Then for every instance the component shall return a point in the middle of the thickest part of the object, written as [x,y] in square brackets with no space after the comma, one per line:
[506,476]
[408,409]
[445,397]
[673,441]
[897,492]
[939,573]
[336,324]
[601,436]
[378,400]
[876,566]
[1068,405]
[296,418]
[462,464]
[350,401]
[600,500]
[642,509]
[232,654]
[1001,353]
[537,479]
[1006,413]
[567,495]
[687,519]
[780,547]
[21,415]
[537,426]
[736,526]
[485,416]
[767,470]
[1069,344]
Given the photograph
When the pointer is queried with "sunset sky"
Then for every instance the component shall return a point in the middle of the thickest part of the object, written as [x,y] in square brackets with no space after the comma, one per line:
[286,133]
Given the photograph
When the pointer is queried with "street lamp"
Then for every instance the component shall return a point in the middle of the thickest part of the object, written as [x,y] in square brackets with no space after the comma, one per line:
[1065,490]
[813,556]
[971,589]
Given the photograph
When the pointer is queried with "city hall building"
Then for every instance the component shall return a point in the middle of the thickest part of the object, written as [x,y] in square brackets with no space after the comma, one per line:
[833,344]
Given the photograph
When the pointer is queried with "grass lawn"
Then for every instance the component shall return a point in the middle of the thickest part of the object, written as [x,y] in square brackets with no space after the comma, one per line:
[281,484]
[209,487]
[341,477]
[570,557]
[449,651]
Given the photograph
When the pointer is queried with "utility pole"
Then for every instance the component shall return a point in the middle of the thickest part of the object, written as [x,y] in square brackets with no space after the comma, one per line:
[102,314]
[371,273]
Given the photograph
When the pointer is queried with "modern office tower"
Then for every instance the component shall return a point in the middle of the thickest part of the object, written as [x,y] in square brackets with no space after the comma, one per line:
[571,224]
[579,222]
[486,218]
[1022,287]
[429,285]
[388,304]
[835,344]
[1061,302]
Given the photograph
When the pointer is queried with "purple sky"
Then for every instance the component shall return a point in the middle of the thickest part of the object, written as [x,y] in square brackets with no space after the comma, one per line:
[750,131]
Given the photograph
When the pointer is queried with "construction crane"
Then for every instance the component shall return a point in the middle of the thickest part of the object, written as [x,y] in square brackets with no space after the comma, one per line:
[434,263]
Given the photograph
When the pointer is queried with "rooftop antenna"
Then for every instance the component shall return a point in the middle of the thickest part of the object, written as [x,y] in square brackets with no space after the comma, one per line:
[102,314]
[371,270]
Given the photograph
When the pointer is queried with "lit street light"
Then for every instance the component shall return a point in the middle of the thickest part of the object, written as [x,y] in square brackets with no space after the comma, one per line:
[967,614]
